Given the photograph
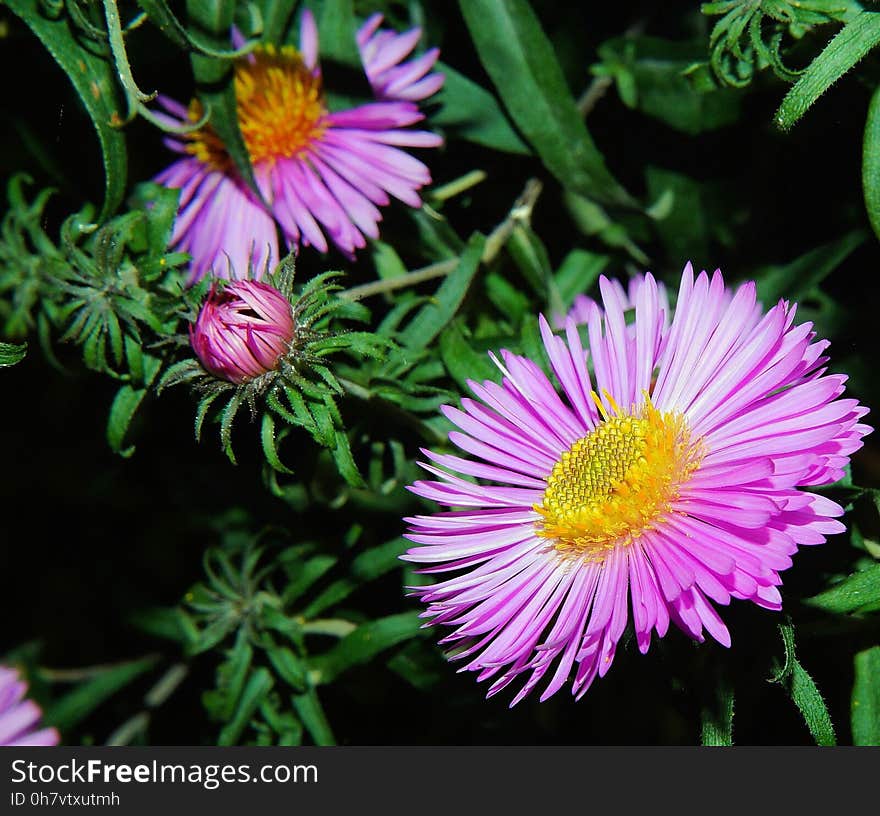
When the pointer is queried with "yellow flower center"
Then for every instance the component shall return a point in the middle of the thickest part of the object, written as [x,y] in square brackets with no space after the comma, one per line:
[280,108]
[612,485]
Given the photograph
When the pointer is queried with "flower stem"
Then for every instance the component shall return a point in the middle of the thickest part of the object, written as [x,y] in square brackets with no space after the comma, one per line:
[520,213]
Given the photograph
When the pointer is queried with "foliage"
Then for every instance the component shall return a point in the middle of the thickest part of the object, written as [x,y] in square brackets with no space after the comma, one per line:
[267,603]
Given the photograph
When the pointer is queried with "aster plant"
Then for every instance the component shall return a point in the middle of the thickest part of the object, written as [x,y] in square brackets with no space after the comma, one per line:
[418,267]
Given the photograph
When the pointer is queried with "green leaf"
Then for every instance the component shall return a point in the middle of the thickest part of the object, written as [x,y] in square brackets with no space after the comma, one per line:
[807,698]
[308,706]
[803,691]
[717,719]
[522,63]
[345,461]
[859,592]
[364,643]
[799,278]
[122,411]
[258,686]
[75,706]
[12,353]
[276,18]
[865,710]
[686,228]
[578,273]
[215,80]
[267,438]
[530,255]
[461,360]
[871,162]
[650,76]
[338,30]
[288,667]
[368,566]
[94,79]
[387,261]
[227,418]
[163,18]
[430,320]
[305,574]
[850,44]
[468,111]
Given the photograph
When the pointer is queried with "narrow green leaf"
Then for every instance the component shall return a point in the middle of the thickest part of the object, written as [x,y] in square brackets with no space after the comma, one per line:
[717,719]
[578,273]
[258,686]
[267,438]
[530,255]
[338,28]
[310,711]
[387,261]
[163,18]
[803,691]
[12,353]
[226,420]
[233,674]
[368,640]
[800,277]
[215,79]
[75,706]
[871,162]
[276,18]
[345,461]
[807,698]
[860,592]
[430,320]
[122,411]
[656,76]
[288,666]
[368,566]
[522,63]
[305,574]
[94,79]
[461,360]
[850,44]
[468,111]
[865,710]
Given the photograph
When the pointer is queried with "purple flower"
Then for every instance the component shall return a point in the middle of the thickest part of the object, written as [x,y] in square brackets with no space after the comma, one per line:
[242,331]
[583,304]
[663,476]
[19,717]
[382,52]
[323,175]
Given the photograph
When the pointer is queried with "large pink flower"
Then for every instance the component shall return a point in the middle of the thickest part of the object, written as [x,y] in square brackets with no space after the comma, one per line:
[323,175]
[659,473]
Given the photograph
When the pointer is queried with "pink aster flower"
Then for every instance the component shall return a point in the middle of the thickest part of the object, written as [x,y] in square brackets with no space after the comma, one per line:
[19,717]
[658,475]
[323,175]
[584,304]
[243,330]
[382,52]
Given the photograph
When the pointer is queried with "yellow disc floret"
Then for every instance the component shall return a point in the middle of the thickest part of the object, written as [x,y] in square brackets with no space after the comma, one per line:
[280,108]
[615,483]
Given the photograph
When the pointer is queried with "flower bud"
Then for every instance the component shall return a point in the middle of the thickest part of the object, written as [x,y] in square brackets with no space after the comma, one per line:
[242,330]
